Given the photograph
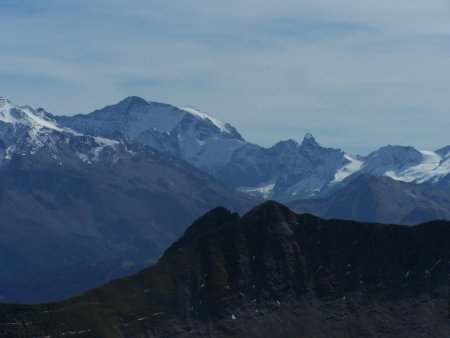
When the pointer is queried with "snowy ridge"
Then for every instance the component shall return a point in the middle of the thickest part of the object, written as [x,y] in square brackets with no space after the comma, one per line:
[24,115]
[223,126]
[25,130]
[431,169]
[423,167]
[349,169]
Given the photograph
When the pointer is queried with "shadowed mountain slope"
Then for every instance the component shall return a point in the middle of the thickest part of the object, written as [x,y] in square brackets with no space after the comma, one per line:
[269,273]
[381,199]
[69,226]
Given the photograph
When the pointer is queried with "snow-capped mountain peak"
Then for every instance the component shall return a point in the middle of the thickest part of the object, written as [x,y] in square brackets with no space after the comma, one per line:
[395,161]
[186,132]
[25,115]
[26,131]
[222,126]
[149,107]
[134,115]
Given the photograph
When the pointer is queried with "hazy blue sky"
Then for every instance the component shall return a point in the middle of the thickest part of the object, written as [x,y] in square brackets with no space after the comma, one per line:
[357,74]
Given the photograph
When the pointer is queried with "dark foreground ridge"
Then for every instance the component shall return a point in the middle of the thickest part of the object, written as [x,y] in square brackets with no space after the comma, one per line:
[270,273]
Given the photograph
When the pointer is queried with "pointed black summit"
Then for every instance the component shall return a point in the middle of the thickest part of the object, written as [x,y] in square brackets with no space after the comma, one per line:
[269,210]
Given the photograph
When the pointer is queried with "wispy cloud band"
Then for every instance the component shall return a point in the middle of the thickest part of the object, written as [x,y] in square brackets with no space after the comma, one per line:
[357,74]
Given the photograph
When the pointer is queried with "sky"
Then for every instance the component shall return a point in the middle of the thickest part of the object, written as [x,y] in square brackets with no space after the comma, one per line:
[357,74]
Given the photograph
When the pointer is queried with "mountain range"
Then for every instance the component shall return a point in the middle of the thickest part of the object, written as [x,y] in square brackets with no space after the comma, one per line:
[269,273]
[286,171]
[78,210]
[394,184]
[91,197]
